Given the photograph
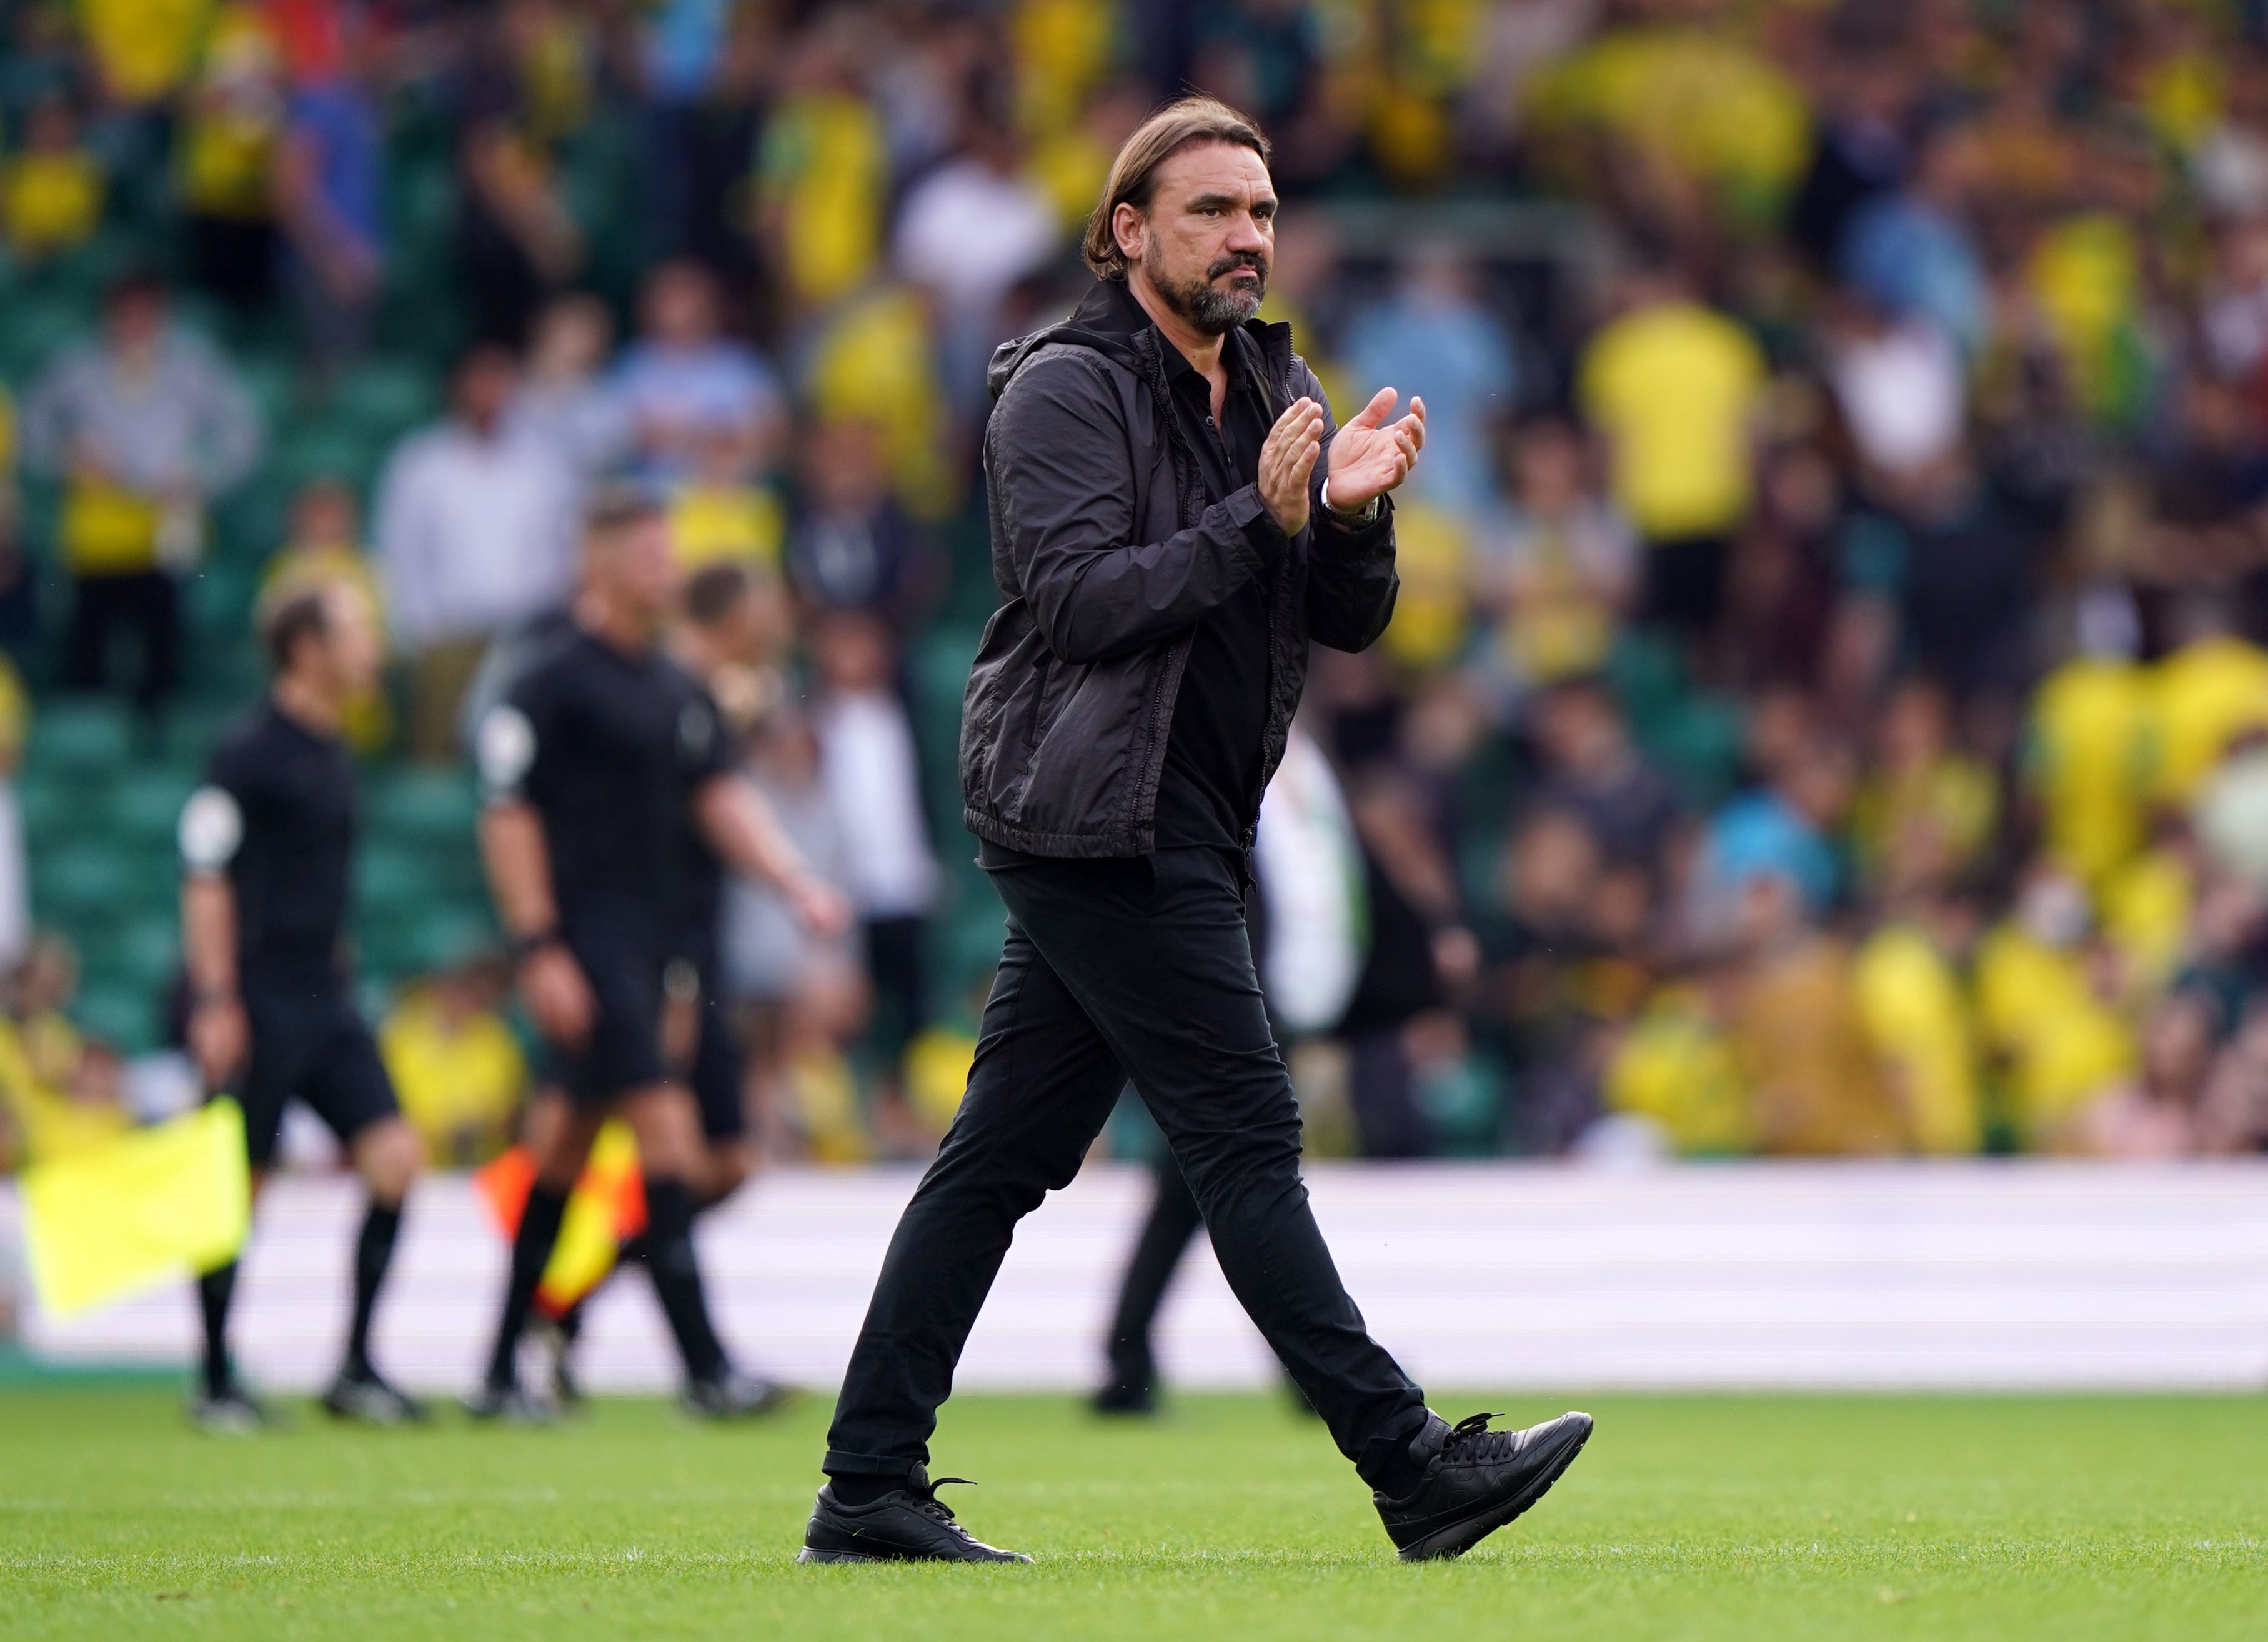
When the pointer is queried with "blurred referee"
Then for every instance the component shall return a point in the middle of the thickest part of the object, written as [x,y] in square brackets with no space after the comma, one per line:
[266,843]
[722,632]
[600,758]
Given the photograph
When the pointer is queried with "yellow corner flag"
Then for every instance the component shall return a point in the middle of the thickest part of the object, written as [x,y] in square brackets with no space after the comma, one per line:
[103,1223]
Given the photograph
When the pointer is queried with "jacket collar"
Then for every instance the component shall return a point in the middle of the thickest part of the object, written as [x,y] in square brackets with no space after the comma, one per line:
[1110,308]
[1111,323]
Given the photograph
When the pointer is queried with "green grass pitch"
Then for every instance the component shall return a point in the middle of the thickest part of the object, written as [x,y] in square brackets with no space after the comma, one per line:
[1746,1518]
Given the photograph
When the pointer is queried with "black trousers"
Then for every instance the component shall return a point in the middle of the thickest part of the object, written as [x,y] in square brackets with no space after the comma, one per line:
[148,604]
[1116,971]
[895,967]
[1174,1222]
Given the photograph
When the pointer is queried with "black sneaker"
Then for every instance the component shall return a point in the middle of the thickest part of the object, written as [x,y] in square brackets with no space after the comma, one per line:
[1478,1481]
[231,1411]
[365,1396]
[510,1405]
[733,1396]
[908,1524]
[556,1338]
[1125,1399]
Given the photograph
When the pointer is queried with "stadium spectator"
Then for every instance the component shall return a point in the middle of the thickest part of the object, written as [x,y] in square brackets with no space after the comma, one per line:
[474,533]
[518,244]
[231,130]
[144,426]
[59,1094]
[968,232]
[802,999]
[683,385]
[563,396]
[850,546]
[330,184]
[1434,340]
[457,1067]
[51,192]
[871,775]
[1556,570]
[325,547]
[1675,389]
[15,873]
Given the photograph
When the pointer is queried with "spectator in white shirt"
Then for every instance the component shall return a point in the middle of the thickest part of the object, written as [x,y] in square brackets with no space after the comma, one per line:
[563,395]
[969,232]
[868,765]
[474,536]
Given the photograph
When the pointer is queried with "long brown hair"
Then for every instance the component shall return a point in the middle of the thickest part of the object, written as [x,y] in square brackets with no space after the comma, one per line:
[1134,173]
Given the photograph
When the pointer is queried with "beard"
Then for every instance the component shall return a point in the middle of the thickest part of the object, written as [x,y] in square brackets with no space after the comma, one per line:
[1207,307]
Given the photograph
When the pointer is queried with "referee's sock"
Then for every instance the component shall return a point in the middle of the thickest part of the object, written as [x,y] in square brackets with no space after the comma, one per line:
[215,1290]
[531,1252]
[373,1254]
[676,1273]
[638,1248]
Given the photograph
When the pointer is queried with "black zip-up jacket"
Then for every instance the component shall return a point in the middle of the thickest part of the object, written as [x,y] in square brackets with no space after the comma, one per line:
[1107,554]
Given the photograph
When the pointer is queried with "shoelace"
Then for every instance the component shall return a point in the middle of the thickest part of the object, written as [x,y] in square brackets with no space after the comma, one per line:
[936,1509]
[1470,1439]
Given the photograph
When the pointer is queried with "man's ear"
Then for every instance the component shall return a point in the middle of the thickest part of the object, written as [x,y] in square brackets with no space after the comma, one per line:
[1128,227]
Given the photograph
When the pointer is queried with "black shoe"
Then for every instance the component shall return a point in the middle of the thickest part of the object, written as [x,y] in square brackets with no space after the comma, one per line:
[510,1405]
[1125,1398]
[733,1396]
[558,1339]
[364,1394]
[1478,1481]
[231,1411]
[908,1524]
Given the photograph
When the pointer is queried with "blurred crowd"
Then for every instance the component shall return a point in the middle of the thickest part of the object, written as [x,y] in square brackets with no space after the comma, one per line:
[1826,712]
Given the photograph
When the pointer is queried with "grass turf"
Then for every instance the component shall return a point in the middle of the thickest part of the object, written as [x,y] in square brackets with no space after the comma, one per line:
[1752,1518]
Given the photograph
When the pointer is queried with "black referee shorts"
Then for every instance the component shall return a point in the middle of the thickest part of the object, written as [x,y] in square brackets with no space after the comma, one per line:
[715,1074]
[309,1044]
[623,1051]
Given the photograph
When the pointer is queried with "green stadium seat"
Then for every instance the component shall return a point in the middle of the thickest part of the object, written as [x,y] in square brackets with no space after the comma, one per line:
[144,955]
[79,884]
[146,806]
[34,328]
[426,805]
[274,384]
[48,807]
[194,728]
[82,737]
[384,400]
[125,1017]
[390,876]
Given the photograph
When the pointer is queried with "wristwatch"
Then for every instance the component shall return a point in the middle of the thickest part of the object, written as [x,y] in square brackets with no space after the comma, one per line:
[519,948]
[1368,514]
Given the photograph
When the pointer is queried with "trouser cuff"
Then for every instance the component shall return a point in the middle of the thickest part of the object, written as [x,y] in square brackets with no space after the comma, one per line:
[1393,1461]
[837,1464]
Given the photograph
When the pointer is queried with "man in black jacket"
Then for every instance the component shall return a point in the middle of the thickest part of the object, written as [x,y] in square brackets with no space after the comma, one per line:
[1173,517]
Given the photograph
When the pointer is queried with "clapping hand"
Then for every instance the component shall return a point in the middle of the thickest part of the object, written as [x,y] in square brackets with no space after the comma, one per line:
[1370,455]
[1287,461]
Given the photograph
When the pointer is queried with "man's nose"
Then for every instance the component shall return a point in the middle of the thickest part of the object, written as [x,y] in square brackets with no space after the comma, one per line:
[1245,232]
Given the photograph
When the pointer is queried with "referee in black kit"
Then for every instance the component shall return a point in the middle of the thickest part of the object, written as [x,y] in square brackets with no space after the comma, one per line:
[1174,519]
[595,760]
[266,846]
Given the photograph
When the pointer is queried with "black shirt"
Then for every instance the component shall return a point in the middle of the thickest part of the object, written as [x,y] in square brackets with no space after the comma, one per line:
[700,890]
[1209,791]
[277,814]
[609,749]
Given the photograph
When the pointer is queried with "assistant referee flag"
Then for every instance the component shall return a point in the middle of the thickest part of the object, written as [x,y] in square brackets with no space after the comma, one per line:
[146,1207]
